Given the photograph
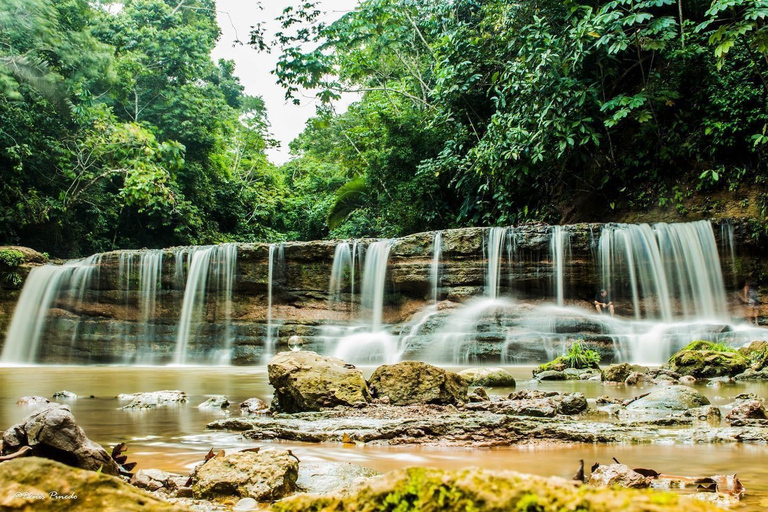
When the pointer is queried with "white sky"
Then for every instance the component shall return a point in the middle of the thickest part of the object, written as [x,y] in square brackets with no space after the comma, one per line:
[236,17]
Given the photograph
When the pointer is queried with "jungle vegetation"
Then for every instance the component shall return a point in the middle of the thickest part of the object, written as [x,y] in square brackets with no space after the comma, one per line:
[117,130]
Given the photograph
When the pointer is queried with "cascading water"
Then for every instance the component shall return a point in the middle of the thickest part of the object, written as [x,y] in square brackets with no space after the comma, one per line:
[150,268]
[434,271]
[342,262]
[44,287]
[668,267]
[198,274]
[276,251]
[374,282]
[560,249]
[494,245]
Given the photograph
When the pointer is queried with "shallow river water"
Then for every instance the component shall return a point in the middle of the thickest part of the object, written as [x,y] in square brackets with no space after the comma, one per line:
[175,439]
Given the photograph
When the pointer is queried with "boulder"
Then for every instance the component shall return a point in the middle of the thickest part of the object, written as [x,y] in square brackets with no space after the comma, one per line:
[253,406]
[620,372]
[328,477]
[27,484]
[64,395]
[306,381]
[33,401]
[748,410]
[636,378]
[215,402]
[413,382]
[618,475]
[155,479]
[488,377]
[671,398]
[751,374]
[153,399]
[264,476]
[700,360]
[533,402]
[551,375]
[52,433]
[480,489]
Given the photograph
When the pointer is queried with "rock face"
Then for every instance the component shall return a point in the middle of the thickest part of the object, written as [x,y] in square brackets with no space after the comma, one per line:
[306,381]
[52,433]
[263,476]
[700,361]
[27,484]
[619,475]
[459,491]
[413,382]
[672,398]
[488,377]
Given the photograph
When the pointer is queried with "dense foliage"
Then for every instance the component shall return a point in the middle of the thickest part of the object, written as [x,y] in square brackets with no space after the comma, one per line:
[484,112]
[118,130]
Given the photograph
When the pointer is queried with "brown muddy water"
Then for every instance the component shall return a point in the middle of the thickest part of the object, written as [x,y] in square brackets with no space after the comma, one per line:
[174,438]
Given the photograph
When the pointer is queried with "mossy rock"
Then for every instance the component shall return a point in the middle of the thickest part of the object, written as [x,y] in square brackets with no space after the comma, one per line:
[700,360]
[488,377]
[560,365]
[756,354]
[475,490]
[27,484]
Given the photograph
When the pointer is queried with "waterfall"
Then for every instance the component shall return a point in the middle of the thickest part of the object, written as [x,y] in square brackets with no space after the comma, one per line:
[224,268]
[374,281]
[560,249]
[494,244]
[198,274]
[43,288]
[342,261]
[434,275]
[274,249]
[668,268]
[150,268]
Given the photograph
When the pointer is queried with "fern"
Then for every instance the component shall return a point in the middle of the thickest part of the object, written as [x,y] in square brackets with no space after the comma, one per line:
[351,196]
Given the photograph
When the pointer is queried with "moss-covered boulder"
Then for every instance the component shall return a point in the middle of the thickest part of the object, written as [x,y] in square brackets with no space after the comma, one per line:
[306,381]
[702,359]
[413,382]
[488,377]
[756,354]
[27,483]
[434,490]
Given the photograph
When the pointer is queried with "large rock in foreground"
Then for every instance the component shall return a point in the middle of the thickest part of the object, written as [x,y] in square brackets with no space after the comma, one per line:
[306,381]
[671,398]
[263,476]
[413,382]
[27,483]
[52,433]
[433,490]
[700,361]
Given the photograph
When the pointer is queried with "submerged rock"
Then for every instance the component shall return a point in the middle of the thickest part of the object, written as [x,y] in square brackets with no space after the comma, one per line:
[153,399]
[700,360]
[551,375]
[327,477]
[620,372]
[488,377]
[65,395]
[618,475]
[413,382]
[215,402]
[155,479]
[53,434]
[306,381]
[27,484]
[253,406]
[477,489]
[263,476]
[33,401]
[672,398]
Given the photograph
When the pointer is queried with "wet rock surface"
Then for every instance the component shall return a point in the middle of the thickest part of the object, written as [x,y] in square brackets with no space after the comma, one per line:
[671,398]
[152,399]
[52,433]
[215,402]
[413,382]
[747,410]
[477,489]
[328,477]
[253,406]
[620,372]
[27,484]
[610,475]
[261,475]
[306,381]
[488,377]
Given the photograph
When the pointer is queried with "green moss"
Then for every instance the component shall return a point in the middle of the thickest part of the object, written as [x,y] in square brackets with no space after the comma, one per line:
[578,356]
[11,257]
[474,490]
[704,359]
[708,345]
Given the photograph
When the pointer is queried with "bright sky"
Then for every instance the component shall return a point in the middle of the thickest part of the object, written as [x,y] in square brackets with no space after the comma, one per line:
[236,17]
